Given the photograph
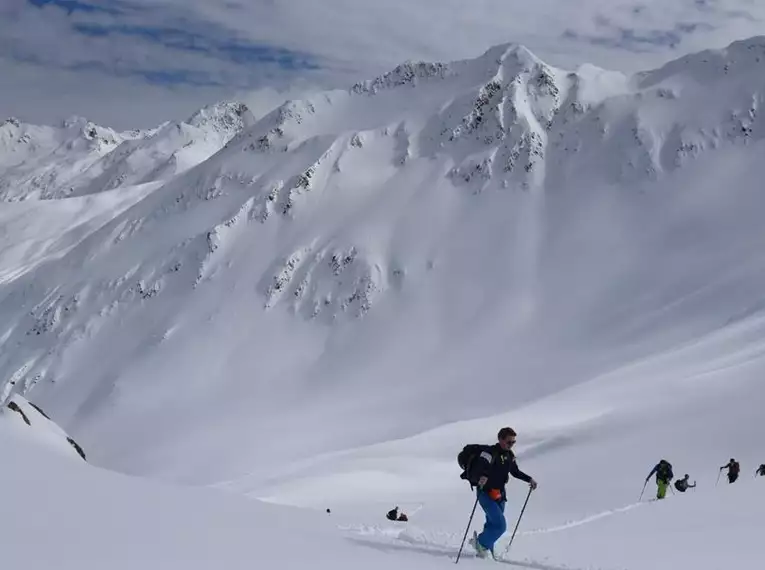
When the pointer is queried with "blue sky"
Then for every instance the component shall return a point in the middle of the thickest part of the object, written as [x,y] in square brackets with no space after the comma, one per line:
[133,62]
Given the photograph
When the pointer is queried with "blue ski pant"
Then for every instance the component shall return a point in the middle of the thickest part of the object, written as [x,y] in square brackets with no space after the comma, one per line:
[495,525]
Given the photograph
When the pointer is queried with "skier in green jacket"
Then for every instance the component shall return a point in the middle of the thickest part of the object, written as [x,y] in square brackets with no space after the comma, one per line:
[664,475]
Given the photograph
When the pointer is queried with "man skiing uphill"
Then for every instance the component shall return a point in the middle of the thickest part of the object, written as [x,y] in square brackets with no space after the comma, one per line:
[760,470]
[664,475]
[733,468]
[683,484]
[491,470]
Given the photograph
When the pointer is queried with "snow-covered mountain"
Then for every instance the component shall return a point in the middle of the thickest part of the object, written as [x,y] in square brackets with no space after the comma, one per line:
[323,305]
[80,158]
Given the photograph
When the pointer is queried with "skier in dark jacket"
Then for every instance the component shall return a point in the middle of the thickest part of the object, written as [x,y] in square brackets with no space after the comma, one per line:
[394,515]
[664,475]
[493,468]
[733,470]
[683,485]
[760,470]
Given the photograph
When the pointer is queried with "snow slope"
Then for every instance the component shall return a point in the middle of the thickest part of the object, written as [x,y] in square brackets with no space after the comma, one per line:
[717,530]
[65,513]
[354,286]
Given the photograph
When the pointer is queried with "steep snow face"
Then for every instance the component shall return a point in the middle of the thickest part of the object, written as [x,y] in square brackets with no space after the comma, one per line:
[81,158]
[34,232]
[445,242]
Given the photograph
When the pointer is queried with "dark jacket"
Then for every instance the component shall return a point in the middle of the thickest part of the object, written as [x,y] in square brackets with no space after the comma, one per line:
[733,467]
[663,470]
[497,465]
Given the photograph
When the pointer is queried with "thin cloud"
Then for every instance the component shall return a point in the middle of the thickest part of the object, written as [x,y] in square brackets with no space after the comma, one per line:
[227,46]
[72,6]
[635,41]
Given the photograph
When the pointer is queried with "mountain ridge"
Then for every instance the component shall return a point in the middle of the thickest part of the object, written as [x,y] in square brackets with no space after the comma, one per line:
[486,219]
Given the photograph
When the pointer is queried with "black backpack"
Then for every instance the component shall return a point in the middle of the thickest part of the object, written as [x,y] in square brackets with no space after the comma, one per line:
[466,458]
[680,485]
[664,472]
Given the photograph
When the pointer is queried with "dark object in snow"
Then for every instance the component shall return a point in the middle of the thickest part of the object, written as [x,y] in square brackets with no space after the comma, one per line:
[77,448]
[393,515]
[39,409]
[15,407]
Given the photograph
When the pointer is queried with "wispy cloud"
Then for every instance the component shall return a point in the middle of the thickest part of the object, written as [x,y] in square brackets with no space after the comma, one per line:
[71,6]
[635,41]
[156,42]
[222,46]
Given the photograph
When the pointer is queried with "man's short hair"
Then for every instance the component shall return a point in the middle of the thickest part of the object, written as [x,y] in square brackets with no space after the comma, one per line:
[506,432]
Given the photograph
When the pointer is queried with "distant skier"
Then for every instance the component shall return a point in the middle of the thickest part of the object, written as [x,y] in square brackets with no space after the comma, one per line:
[760,470]
[733,468]
[490,470]
[394,515]
[664,475]
[683,485]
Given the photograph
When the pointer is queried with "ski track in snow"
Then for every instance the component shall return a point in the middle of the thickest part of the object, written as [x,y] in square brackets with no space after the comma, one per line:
[448,551]
[581,522]
[421,541]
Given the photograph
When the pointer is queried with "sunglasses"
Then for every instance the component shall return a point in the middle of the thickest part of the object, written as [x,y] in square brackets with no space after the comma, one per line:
[509,441]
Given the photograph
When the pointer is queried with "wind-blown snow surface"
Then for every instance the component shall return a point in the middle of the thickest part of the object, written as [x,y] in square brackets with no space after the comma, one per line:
[325,310]
[63,513]
[66,514]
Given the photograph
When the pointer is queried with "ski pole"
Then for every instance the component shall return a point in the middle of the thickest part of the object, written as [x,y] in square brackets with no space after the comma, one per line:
[643,491]
[470,521]
[523,510]
[718,476]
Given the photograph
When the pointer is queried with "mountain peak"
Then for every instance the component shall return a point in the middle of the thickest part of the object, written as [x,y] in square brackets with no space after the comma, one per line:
[229,116]
[514,52]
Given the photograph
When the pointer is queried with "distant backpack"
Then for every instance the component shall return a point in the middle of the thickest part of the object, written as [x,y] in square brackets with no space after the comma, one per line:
[680,485]
[664,472]
[735,468]
[466,460]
